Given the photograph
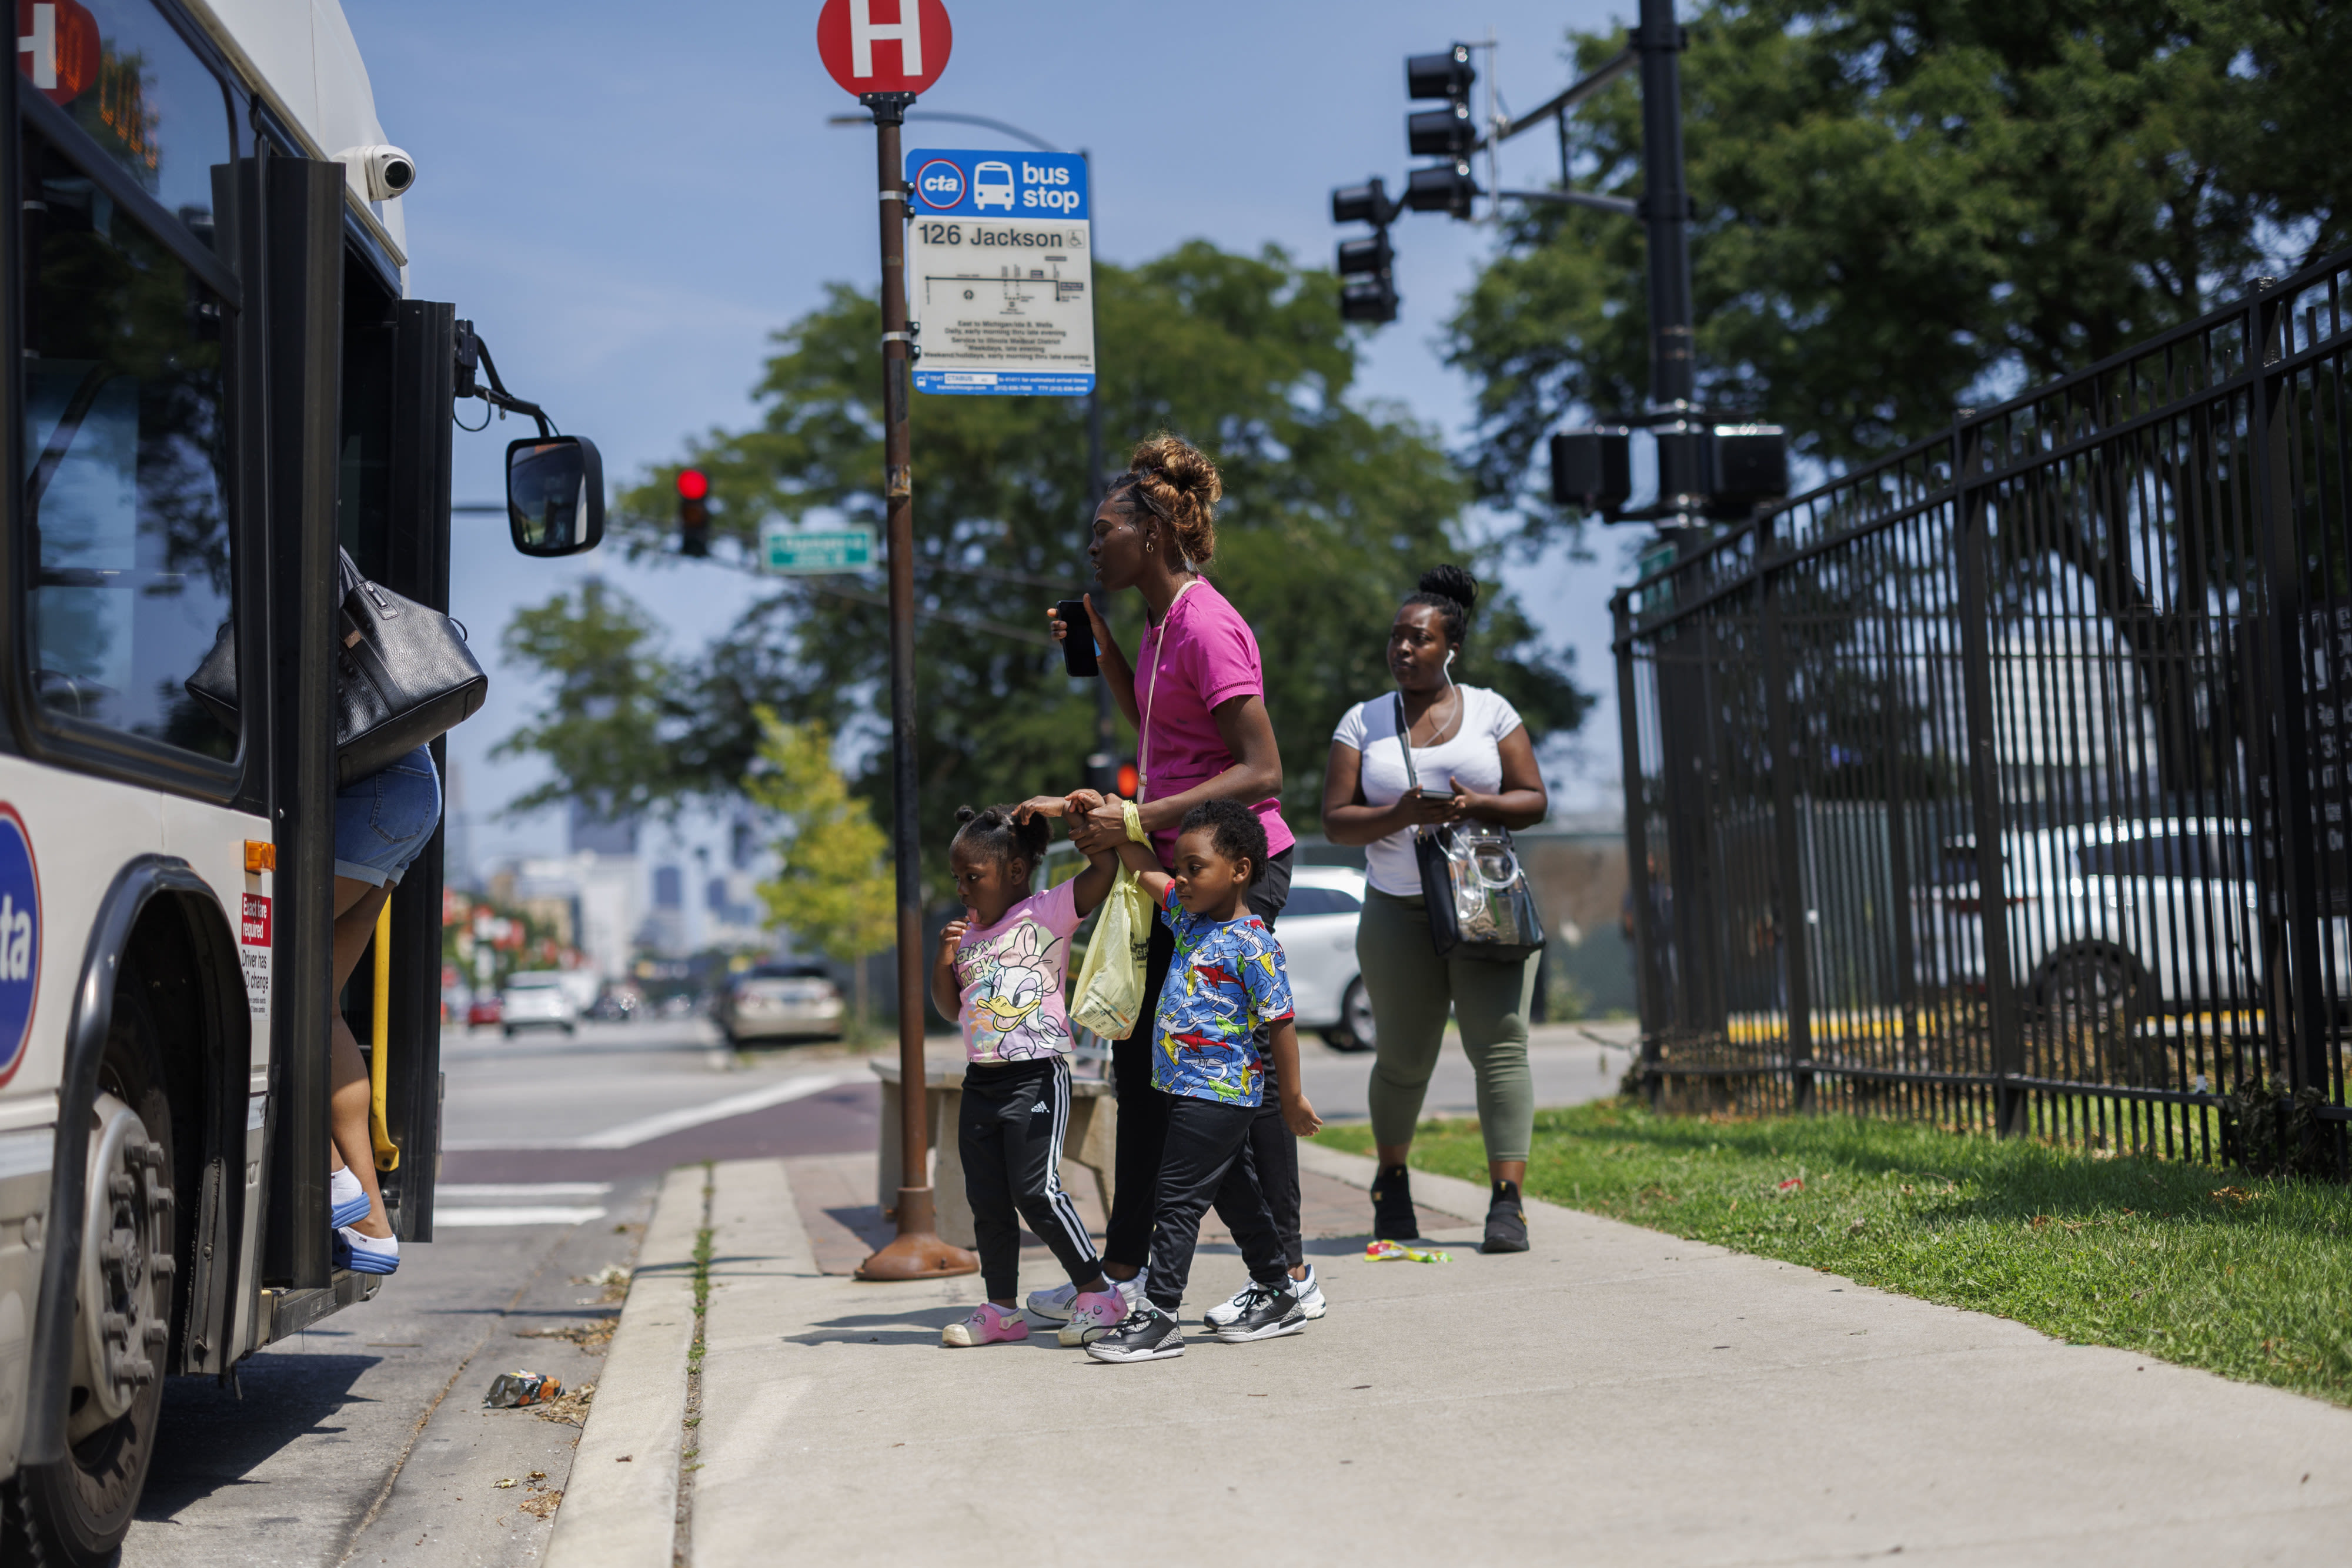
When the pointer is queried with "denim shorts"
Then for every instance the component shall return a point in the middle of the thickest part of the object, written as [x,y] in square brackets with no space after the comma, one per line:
[382,821]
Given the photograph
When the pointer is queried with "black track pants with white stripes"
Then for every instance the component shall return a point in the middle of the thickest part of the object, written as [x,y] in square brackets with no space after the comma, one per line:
[1015,1116]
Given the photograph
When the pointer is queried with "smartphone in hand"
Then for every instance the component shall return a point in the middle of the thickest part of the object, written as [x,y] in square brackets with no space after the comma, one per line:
[1079,641]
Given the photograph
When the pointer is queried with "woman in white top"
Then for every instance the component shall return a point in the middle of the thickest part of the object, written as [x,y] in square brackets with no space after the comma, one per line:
[1476,762]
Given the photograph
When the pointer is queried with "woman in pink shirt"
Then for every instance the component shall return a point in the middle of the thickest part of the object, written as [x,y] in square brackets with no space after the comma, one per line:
[1196,694]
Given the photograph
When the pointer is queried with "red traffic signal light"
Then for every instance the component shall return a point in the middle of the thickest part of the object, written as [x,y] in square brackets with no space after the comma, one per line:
[1129,779]
[693,514]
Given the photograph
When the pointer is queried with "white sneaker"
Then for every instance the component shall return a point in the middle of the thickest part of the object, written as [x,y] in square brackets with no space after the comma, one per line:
[1133,1288]
[1055,1303]
[1309,1291]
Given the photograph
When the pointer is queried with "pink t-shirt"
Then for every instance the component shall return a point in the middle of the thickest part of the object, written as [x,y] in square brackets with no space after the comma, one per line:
[1010,978]
[1207,654]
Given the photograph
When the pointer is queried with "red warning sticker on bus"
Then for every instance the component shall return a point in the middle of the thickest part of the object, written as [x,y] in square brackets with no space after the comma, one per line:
[257,920]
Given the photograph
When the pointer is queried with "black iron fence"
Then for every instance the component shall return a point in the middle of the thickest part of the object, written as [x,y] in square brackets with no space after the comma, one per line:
[2005,782]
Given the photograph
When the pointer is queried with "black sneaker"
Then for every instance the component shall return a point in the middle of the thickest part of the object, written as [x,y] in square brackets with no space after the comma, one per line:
[1270,1312]
[1392,1216]
[1506,1221]
[1148,1334]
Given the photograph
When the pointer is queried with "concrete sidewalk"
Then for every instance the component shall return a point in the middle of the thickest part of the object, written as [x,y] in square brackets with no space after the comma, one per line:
[1615,1395]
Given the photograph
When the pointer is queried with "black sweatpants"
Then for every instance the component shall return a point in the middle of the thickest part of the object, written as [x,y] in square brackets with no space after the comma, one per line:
[1143,1110]
[1206,1157]
[1011,1131]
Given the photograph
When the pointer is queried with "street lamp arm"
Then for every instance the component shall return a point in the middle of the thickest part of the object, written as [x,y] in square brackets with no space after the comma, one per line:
[1000,127]
[1618,204]
[1566,101]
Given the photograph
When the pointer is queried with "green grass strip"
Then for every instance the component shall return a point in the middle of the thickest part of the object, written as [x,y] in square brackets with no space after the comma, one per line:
[2247,1277]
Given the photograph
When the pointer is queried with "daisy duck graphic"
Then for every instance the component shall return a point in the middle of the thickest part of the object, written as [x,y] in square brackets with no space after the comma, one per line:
[1009,1018]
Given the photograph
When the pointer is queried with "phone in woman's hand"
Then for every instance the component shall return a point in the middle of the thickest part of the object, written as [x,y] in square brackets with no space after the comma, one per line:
[1078,655]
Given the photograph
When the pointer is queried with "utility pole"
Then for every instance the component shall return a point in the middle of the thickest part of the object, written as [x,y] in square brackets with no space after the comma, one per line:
[918,1253]
[1665,206]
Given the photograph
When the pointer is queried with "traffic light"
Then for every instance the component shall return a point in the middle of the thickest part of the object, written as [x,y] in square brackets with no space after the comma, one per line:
[693,513]
[1451,133]
[1367,276]
[1593,470]
[1365,204]
[1447,76]
[1441,188]
[1367,285]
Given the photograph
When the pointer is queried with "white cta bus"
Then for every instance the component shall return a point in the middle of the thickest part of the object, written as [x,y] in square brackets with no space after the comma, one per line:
[214,377]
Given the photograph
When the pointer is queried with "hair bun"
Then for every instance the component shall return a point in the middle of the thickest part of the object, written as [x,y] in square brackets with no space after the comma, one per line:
[965,814]
[1453,582]
[1183,488]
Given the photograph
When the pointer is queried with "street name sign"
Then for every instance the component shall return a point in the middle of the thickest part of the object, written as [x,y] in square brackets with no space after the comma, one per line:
[884,45]
[1000,273]
[803,551]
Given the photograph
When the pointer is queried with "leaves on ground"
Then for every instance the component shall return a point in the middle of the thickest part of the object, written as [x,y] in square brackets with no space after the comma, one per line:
[595,1338]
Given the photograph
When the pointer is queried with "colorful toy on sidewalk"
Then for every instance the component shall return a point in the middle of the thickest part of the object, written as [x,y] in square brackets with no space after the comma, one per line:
[1392,1251]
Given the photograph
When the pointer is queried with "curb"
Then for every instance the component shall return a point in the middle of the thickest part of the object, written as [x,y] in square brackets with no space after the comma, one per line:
[620,1503]
[762,1272]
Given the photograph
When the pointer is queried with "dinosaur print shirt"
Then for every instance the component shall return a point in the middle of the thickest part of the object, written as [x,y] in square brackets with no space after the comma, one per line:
[1225,984]
[1011,977]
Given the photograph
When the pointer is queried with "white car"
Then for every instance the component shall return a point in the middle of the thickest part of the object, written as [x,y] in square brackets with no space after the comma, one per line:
[538,999]
[991,186]
[2120,916]
[1317,932]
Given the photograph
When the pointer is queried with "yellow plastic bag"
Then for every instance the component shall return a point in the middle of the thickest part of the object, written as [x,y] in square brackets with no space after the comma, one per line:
[1110,981]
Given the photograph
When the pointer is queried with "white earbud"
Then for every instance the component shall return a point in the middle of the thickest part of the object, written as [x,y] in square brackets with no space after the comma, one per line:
[1449,660]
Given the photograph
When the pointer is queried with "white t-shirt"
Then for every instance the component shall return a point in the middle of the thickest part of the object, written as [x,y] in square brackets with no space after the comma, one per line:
[1470,758]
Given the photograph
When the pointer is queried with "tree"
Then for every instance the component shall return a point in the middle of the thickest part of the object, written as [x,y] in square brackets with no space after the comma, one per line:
[1904,205]
[1333,507]
[834,887]
[604,725]
[1908,205]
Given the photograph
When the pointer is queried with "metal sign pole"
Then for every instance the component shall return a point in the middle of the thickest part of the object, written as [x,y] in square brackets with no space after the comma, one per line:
[918,1253]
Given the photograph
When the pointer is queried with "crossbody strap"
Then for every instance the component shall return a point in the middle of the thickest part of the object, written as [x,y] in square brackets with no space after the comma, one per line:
[1150,688]
[1404,742]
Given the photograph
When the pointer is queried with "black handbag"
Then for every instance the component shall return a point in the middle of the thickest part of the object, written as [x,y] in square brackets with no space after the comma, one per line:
[1479,902]
[404,676]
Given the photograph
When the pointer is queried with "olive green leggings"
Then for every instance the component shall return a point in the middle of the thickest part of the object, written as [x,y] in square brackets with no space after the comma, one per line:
[1411,989]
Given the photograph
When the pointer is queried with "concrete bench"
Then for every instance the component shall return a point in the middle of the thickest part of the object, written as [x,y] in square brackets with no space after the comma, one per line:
[1091,1142]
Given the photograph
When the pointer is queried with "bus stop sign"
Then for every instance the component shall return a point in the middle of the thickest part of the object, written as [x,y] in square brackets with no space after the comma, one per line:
[884,45]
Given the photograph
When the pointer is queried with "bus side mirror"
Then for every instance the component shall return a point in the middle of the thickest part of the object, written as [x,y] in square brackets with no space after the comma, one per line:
[555,494]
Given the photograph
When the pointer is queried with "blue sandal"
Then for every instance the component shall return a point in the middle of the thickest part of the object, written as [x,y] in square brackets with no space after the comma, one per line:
[366,1254]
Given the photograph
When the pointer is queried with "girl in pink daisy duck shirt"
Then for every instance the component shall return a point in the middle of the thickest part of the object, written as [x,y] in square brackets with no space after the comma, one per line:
[999,974]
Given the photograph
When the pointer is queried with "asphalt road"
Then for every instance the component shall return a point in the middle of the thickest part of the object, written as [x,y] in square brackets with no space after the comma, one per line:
[363,1439]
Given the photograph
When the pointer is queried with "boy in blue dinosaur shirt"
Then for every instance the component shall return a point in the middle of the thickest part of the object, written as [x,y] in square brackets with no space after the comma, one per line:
[1226,982]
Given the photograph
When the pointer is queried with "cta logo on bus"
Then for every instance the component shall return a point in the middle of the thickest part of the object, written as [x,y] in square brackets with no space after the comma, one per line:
[20,939]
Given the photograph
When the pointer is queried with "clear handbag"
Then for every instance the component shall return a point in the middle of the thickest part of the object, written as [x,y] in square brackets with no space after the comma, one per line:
[1479,902]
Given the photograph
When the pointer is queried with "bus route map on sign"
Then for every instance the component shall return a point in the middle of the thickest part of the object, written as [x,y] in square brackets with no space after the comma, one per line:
[1000,273]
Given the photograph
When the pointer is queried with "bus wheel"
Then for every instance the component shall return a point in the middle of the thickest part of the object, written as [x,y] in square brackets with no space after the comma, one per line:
[77,1510]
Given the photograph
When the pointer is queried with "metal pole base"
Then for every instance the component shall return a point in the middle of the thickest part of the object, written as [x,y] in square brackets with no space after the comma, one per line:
[918,1253]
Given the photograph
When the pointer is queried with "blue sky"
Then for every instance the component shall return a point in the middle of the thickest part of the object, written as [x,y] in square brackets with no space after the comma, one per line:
[626,199]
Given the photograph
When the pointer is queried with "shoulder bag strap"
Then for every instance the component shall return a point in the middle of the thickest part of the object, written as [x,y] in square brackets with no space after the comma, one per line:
[1404,742]
[1143,735]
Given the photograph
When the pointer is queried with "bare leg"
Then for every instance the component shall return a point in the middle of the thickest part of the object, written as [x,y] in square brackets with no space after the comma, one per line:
[356,906]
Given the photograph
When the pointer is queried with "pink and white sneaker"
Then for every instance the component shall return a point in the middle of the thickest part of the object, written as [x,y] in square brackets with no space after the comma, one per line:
[1093,1314]
[989,1324]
